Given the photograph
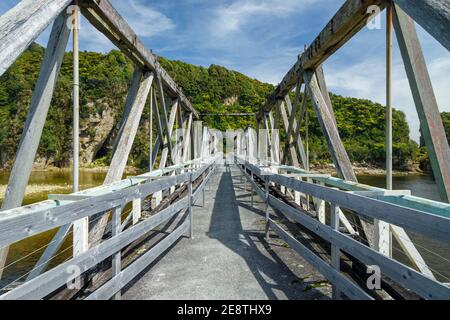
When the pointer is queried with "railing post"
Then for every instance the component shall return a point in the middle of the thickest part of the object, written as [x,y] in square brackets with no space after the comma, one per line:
[117,259]
[191,231]
[266,210]
[335,251]
[251,187]
[137,208]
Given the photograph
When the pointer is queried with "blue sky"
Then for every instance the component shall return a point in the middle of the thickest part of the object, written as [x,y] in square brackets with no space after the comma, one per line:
[262,38]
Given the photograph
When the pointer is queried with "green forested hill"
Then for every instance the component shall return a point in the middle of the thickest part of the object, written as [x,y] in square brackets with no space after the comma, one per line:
[104,81]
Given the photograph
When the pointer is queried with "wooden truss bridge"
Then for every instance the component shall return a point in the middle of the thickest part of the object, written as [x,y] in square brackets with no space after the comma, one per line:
[124,229]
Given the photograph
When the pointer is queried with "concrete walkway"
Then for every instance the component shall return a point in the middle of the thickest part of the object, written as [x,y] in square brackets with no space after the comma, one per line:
[228,257]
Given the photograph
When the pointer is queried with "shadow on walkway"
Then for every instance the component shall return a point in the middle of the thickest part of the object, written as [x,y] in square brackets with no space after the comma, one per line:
[226,225]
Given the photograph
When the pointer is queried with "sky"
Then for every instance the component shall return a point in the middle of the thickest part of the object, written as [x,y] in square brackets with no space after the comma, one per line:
[262,39]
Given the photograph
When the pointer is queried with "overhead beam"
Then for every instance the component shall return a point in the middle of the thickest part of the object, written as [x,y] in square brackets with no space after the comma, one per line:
[107,20]
[432,15]
[350,18]
[21,25]
[425,100]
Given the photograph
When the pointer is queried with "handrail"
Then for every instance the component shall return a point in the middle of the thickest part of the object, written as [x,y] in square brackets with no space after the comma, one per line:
[46,283]
[419,283]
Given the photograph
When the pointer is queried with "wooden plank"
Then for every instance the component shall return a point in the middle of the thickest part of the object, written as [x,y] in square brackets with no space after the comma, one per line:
[432,15]
[136,210]
[52,280]
[292,113]
[40,103]
[326,95]
[187,139]
[117,257]
[21,25]
[348,20]
[107,20]
[335,250]
[131,121]
[169,129]
[427,108]
[123,149]
[20,223]
[198,131]
[331,133]
[129,102]
[422,284]
[436,227]
[292,150]
[296,125]
[58,239]
[120,280]
[350,289]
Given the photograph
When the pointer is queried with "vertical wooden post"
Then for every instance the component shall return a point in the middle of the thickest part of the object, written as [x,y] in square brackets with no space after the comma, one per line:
[382,234]
[266,208]
[425,100]
[335,251]
[251,187]
[37,114]
[137,210]
[117,258]
[150,164]
[191,218]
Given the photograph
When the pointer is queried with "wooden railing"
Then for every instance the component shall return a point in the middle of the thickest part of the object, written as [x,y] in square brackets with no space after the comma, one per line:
[24,222]
[429,224]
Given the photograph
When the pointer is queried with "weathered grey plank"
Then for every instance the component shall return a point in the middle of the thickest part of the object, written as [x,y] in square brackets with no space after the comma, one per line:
[425,100]
[20,223]
[296,127]
[404,275]
[50,281]
[119,281]
[37,114]
[132,116]
[349,19]
[435,227]
[432,15]
[331,133]
[349,288]
[124,145]
[169,129]
[21,25]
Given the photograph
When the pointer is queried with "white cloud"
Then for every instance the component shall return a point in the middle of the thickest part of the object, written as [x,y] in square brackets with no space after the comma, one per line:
[367,79]
[145,20]
[230,18]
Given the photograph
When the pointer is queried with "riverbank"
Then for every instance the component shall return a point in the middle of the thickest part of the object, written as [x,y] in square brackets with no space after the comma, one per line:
[367,170]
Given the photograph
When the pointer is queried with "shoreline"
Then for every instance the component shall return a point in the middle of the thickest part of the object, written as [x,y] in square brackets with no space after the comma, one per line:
[323,169]
[368,171]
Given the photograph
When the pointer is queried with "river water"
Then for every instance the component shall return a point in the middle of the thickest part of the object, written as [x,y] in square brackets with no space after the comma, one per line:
[24,254]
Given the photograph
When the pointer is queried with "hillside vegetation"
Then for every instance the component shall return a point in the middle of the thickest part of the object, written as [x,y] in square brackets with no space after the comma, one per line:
[104,82]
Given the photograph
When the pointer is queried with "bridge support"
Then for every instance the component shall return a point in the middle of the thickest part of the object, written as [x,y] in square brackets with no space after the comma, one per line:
[37,114]
[135,104]
[422,90]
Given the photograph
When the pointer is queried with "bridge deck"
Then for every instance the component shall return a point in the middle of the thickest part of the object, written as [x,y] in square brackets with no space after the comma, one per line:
[228,257]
